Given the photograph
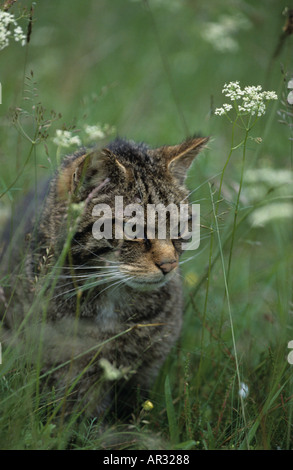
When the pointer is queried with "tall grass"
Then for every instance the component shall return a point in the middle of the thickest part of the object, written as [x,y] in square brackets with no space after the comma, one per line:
[238,311]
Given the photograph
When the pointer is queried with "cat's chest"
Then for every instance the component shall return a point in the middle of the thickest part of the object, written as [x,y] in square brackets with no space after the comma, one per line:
[117,312]
[106,316]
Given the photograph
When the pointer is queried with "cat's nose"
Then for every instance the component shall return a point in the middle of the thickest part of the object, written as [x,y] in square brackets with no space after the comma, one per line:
[167,265]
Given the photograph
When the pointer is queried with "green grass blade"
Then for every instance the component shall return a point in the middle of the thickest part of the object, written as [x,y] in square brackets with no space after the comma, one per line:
[269,402]
[172,421]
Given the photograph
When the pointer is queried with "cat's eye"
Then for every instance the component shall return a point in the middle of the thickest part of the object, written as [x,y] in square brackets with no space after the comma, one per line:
[133,231]
[184,229]
[147,242]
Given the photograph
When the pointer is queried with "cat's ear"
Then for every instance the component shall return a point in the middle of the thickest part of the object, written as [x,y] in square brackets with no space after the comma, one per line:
[179,158]
[71,174]
[90,168]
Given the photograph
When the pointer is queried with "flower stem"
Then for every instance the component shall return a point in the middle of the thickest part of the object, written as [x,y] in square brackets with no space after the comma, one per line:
[230,315]
[225,166]
[237,202]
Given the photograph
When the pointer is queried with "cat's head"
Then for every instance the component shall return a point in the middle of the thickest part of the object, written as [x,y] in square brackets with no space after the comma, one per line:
[131,174]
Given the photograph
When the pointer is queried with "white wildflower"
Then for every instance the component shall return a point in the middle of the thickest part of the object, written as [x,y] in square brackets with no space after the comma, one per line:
[271,213]
[4,37]
[253,99]
[243,391]
[225,109]
[219,111]
[19,36]
[232,91]
[261,180]
[216,34]
[270,95]
[290,355]
[290,94]
[290,97]
[98,132]
[6,18]
[221,34]
[271,177]
[66,139]
[94,132]
[7,23]
[108,129]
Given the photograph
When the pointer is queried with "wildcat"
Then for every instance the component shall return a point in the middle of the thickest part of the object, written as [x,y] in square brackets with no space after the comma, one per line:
[106,312]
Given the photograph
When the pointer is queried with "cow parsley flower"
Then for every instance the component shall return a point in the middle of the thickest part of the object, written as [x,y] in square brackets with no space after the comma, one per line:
[225,108]
[222,35]
[98,131]
[232,90]
[246,106]
[66,139]
[7,23]
[4,36]
[94,132]
[249,101]
[19,36]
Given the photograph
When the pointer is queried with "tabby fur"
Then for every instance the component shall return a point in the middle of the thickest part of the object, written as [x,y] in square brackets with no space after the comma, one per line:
[99,307]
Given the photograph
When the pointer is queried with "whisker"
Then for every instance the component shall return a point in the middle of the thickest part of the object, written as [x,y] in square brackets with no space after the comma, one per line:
[86,276]
[94,254]
[202,184]
[84,266]
[196,201]
[121,281]
[101,276]
[86,286]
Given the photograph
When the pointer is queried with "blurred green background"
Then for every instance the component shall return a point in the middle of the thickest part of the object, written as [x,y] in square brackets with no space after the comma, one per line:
[151,70]
[154,71]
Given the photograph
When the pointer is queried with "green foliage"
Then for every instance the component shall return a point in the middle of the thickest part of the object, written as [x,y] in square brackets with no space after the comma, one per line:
[172,420]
